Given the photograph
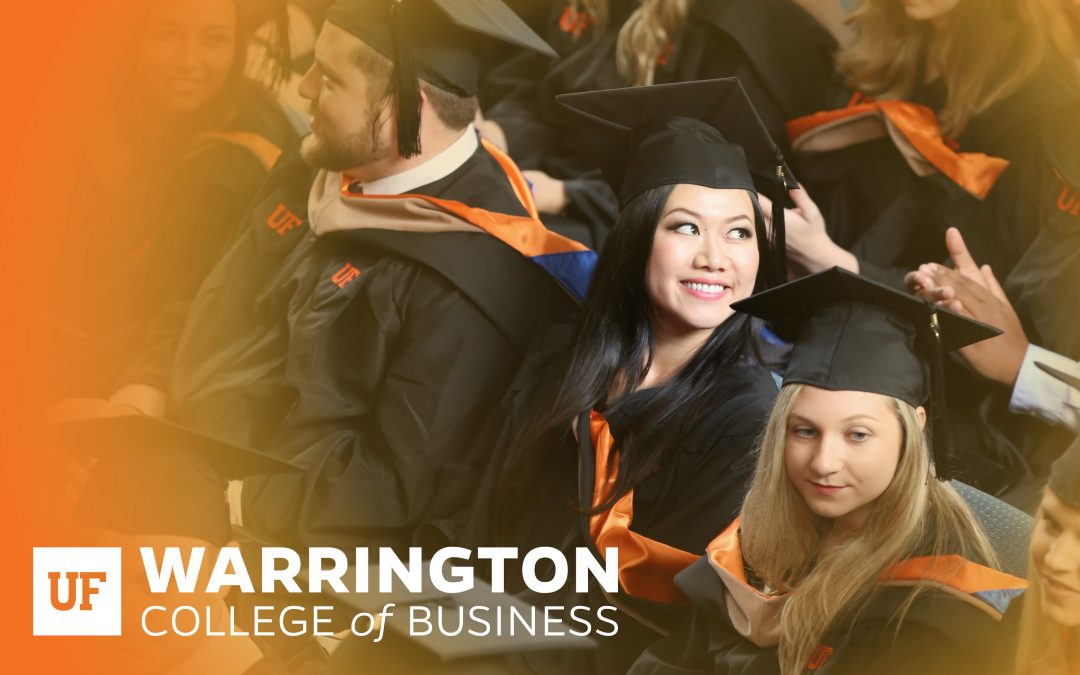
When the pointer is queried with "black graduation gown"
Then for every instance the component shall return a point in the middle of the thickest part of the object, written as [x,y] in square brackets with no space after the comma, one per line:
[684,504]
[1025,228]
[150,244]
[369,356]
[781,54]
[946,631]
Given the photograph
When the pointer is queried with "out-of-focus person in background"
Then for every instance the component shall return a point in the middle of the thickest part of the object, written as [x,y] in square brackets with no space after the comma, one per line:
[174,149]
[1045,624]
[780,53]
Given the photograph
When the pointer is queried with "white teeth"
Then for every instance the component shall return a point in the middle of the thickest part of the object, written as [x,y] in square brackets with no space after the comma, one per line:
[705,288]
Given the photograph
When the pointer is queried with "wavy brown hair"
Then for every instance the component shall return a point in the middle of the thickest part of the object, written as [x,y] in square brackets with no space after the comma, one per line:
[782,538]
[892,54]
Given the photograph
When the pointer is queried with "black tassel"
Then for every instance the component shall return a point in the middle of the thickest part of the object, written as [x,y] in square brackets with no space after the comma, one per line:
[942,452]
[778,241]
[406,86]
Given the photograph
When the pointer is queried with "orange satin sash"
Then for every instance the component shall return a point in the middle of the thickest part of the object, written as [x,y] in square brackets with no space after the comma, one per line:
[647,568]
[916,124]
[526,235]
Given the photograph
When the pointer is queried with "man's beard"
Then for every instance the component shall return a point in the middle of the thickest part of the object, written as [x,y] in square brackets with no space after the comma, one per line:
[336,154]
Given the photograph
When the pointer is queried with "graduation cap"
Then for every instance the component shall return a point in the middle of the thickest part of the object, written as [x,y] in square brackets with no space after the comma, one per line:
[441,41]
[153,476]
[1065,475]
[703,133]
[853,334]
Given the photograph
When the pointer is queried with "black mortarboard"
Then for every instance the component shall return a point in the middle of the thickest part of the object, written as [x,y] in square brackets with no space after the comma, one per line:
[153,476]
[702,133]
[442,41]
[1065,475]
[852,333]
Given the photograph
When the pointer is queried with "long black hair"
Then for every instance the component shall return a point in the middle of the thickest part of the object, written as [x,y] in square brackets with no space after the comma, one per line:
[612,344]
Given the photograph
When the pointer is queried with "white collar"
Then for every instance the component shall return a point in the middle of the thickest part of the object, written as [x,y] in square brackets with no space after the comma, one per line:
[440,166]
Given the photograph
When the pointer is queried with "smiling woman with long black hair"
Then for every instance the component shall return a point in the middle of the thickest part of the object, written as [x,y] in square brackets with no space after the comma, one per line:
[633,429]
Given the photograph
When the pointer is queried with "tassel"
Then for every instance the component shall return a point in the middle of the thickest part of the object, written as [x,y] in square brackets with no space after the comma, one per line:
[406,86]
[941,452]
[778,241]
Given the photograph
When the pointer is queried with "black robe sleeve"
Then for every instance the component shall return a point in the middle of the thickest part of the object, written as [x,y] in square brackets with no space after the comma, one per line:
[941,634]
[415,369]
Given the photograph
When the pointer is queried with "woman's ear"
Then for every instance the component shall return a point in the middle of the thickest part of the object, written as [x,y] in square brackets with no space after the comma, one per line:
[920,413]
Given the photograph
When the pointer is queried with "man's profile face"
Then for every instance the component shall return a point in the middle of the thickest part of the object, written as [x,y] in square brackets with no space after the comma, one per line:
[350,125]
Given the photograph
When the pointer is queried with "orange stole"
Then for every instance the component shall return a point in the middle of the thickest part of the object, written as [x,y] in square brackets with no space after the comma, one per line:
[975,172]
[647,568]
[526,235]
[954,572]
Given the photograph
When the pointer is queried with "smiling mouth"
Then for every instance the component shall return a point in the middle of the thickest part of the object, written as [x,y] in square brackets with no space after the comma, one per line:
[705,289]
[185,85]
[1057,587]
[826,489]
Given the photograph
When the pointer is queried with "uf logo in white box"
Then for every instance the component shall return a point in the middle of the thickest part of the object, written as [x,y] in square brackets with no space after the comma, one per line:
[77,591]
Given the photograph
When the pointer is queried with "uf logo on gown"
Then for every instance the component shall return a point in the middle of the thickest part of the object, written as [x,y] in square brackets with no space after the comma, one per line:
[281,220]
[1068,201]
[343,276]
[76,591]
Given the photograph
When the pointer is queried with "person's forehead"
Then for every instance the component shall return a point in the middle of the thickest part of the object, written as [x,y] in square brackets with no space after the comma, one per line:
[336,47]
[708,201]
[841,404]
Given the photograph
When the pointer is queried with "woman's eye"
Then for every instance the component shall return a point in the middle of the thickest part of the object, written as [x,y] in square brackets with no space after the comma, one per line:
[217,38]
[858,436]
[802,432]
[741,233]
[686,228]
[1050,525]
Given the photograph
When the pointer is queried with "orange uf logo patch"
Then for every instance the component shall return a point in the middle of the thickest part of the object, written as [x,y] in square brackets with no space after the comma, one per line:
[345,275]
[282,220]
[1068,201]
[574,22]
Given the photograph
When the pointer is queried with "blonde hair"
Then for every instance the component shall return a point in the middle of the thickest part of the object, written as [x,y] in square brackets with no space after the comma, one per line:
[782,539]
[1040,649]
[646,36]
[890,51]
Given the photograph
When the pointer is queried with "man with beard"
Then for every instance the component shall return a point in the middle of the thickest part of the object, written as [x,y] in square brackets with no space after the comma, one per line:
[391,277]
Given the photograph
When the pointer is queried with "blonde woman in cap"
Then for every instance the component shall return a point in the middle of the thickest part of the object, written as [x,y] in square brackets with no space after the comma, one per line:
[851,554]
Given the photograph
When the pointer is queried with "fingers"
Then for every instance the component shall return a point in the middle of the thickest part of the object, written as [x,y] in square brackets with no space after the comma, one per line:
[803,202]
[939,295]
[992,284]
[959,253]
[916,280]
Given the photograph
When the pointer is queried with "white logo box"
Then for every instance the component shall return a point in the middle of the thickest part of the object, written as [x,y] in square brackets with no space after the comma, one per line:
[104,616]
